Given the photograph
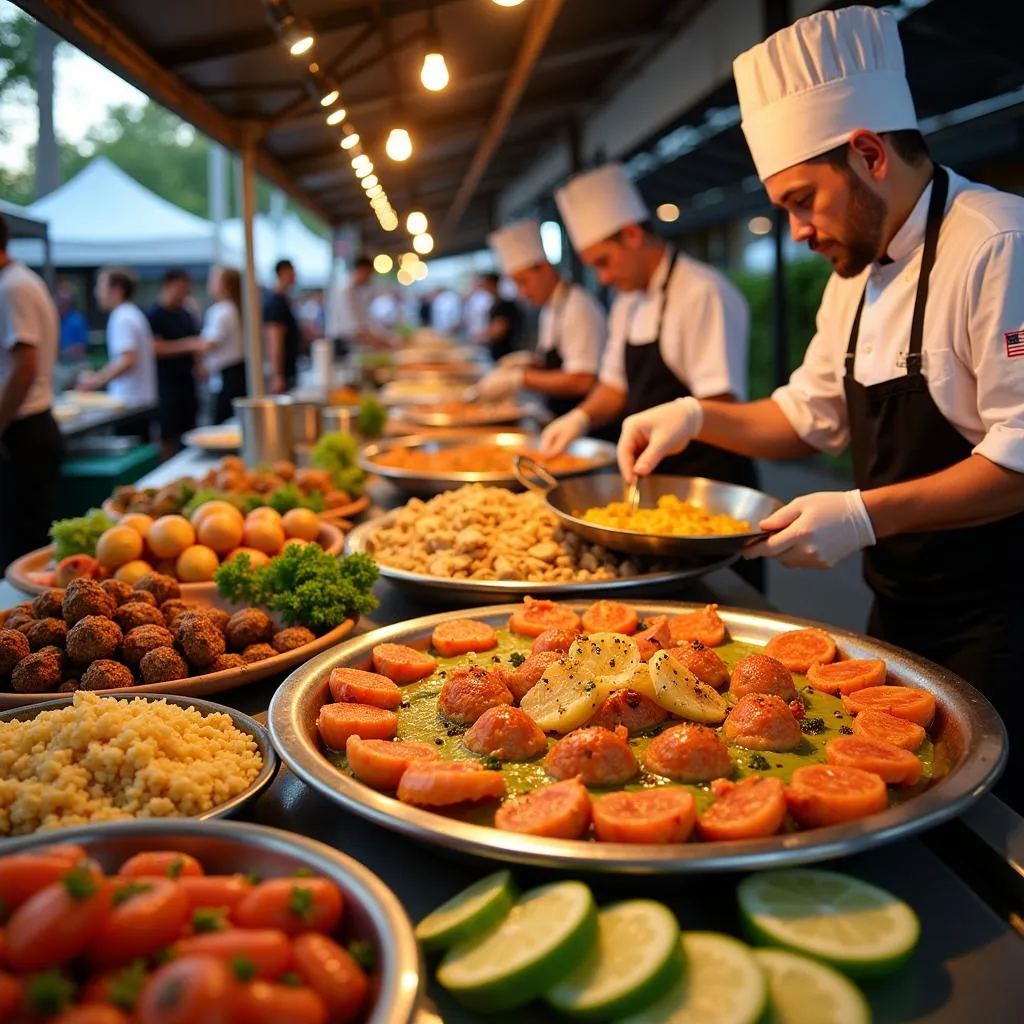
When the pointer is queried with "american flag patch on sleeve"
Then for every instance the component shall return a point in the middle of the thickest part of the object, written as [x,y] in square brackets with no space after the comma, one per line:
[1014,343]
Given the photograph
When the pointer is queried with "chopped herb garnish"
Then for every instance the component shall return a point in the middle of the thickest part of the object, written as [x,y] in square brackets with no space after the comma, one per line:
[290,978]
[589,687]
[126,985]
[79,884]
[254,878]
[301,902]
[813,726]
[164,956]
[846,730]
[759,763]
[49,991]
[491,764]
[129,891]
[175,868]
[242,968]
[517,658]
[364,954]
[642,625]
[303,872]
[209,919]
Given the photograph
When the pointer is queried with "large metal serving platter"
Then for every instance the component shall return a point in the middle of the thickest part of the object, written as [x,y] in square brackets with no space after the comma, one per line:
[373,912]
[970,748]
[473,592]
[426,484]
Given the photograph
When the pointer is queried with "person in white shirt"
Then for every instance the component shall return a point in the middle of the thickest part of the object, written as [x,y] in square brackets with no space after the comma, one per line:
[225,348]
[131,372]
[571,330]
[350,323]
[918,359]
[30,441]
[677,327]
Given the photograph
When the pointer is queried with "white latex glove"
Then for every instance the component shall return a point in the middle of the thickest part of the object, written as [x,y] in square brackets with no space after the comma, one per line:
[521,358]
[500,383]
[648,436]
[816,531]
[560,433]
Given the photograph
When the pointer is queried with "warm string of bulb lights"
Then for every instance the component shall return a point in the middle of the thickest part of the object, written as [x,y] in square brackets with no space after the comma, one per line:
[296,34]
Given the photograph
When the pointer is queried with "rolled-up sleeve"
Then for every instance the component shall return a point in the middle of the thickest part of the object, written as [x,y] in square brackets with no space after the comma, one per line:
[813,401]
[995,328]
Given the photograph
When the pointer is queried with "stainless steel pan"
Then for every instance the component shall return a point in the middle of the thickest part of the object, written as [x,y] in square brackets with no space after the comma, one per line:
[569,499]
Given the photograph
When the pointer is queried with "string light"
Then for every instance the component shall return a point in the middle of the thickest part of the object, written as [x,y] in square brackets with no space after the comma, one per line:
[337,116]
[423,243]
[405,277]
[370,180]
[361,160]
[508,3]
[434,73]
[364,170]
[399,145]
[416,223]
[390,223]
[418,270]
[383,263]
[295,33]
[374,191]
[350,140]
[407,259]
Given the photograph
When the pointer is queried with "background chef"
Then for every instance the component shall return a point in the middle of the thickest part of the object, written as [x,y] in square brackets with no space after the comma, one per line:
[677,327]
[918,359]
[571,330]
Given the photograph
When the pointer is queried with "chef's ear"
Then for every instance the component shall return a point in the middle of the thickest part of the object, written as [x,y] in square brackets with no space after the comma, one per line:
[632,236]
[868,155]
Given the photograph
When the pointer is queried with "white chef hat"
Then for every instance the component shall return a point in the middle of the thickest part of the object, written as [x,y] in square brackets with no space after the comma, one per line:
[807,88]
[598,203]
[517,246]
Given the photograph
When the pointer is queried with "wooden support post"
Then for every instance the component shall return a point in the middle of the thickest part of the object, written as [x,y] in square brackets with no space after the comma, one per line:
[252,318]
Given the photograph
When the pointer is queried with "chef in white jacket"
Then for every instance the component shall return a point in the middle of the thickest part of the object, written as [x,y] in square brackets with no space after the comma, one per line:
[571,330]
[918,359]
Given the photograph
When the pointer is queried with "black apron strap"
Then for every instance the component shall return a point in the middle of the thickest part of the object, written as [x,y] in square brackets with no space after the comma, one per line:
[672,253]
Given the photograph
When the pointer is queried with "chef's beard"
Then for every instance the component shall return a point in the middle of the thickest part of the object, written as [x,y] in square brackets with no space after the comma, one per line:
[861,243]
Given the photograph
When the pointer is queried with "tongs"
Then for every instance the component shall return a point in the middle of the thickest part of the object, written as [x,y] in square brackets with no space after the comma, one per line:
[632,496]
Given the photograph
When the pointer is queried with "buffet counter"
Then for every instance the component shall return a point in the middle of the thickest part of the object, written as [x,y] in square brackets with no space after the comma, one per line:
[965,879]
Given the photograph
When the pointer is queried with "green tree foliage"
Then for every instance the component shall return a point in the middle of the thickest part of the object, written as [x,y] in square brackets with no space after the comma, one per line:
[16,63]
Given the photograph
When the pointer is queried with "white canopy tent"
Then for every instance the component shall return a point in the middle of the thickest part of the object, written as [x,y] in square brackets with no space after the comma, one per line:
[288,239]
[103,215]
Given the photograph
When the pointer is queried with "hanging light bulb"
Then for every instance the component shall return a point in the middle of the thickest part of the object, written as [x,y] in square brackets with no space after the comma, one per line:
[361,160]
[337,116]
[416,223]
[508,3]
[298,39]
[350,140]
[418,270]
[434,73]
[370,180]
[364,169]
[389,223]
[374,191]
[295,33]
[405,278]
[423,243]
[383,263]
[399,144]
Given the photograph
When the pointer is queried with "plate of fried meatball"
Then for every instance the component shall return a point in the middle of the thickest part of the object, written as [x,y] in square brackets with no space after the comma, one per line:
[147,637]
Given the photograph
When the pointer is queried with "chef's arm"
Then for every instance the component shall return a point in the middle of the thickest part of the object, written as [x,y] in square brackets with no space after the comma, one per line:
[23,369]
[114,369]
[759,430]
[603,405]
[181,347]
[558,383]
[968,493]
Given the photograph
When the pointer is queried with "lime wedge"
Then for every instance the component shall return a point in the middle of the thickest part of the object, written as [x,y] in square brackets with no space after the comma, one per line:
[803,991]
[722,984]
[469,914]
[859,928]
[637,959]
[544,937]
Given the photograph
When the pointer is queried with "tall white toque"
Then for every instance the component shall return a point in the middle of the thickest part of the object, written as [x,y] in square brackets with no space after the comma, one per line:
[517,246]
[807,88]
[596,204]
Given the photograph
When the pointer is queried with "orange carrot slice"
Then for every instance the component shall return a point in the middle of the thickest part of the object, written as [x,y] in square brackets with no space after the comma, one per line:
[610,617]
[906,702]
[336,722]
[356,686]
[751,809]
[879,725]
[847,676]
[705,625]
[826,794]
[799,649]
[897,766]
[450,639]
[402,664]
[663,815]
[442,783]
[381,763]
[560,810]
[534,617]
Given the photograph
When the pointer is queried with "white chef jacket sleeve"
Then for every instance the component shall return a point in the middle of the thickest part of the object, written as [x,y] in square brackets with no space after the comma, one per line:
[613,363]
[814,401]
[583,331]
[995,321]
[20,324]
[706,340]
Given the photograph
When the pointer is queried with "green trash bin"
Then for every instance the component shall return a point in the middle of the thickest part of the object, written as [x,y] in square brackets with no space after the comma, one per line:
[85,482]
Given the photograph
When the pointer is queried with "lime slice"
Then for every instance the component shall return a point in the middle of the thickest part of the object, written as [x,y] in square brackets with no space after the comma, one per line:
[545,935]
[722,984]
[469,914]
[859,928]
[803,991]
[637,959]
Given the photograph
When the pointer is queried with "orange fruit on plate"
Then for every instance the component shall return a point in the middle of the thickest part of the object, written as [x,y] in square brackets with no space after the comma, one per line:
[132,572]
[118,545]
[264,535]
[169,536]
[139,522]
[197,564]
[301,524]
[220,531]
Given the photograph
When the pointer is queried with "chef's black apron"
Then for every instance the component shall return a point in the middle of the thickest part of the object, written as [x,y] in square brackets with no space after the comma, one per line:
[652,382]
[949,595]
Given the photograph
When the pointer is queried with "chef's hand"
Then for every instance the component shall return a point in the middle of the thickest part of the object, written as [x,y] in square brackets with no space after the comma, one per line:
[648,436]
[500,383]
[560,433]
[816,531]
[517,359]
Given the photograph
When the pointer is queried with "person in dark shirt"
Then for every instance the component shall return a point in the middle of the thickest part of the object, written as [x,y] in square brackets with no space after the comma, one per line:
[281,330]
[176,343]
[505,320]
[74,331]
